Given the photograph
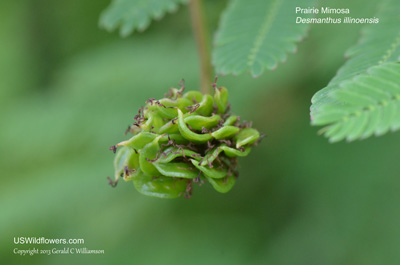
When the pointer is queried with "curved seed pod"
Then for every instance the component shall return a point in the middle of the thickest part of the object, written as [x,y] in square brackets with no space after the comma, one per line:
[225,132]
[230,152]
[148,153]
[206,106]
[173,136]
[221,99]
[139,140]
[154,122]
[160,187]
[217,173]
[121,161]
[133,162]
[173,93]
[177,169]
[196,95]
[133,167]
[222,185]
[231,120]
[188,134]
[169,127]
[246,136]
[172,152]
[168,107]
[199,122]
[183,139]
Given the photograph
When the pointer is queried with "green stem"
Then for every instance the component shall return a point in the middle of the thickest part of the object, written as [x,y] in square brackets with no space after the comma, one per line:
[202,42]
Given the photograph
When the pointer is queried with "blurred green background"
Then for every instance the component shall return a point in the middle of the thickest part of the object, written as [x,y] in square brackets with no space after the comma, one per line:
[68,91]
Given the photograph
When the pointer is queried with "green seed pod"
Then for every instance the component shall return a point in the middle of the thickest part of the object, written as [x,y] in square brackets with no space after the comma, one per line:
[198,122]
[177,169]
[247,136]
[222,185]
[229,152]
[230,120]
[210,172]
[183,139]
[195,96]
[221,99]
[172,153]
[161,187]
[206,106]
[189,134]
[225,132]
[147,154]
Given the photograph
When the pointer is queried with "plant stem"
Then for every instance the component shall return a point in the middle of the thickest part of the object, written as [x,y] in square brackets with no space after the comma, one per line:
[202,42]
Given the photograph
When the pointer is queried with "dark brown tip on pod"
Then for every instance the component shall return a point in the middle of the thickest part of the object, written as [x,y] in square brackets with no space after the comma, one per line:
[259,140]
[189,190]
[127,130]
[112,183]
[182,84]
[160,104]
[151,101]
[127,171]
[197,179]
[227,142]
[214,85]
[113,148]
[193,108]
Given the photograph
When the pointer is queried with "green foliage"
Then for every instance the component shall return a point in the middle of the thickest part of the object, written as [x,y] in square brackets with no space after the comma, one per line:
[131,15]
[362,99]
[174,145]
[365,105]
[256,35]
[337,204]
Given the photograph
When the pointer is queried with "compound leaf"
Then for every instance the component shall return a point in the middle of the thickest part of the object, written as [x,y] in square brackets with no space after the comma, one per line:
[255,35]
[131,15]
[368,104]
[363,98]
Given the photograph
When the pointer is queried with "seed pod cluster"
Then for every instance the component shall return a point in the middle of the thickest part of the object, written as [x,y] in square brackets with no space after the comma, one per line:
[182,139]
